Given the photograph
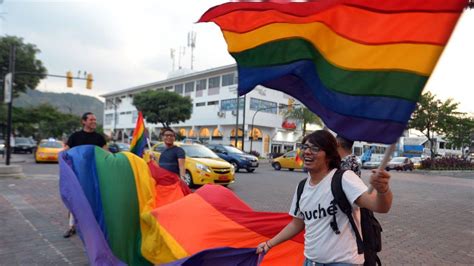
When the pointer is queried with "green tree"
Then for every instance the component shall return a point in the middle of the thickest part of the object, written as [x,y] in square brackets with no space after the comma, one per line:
[433,116]
[163,107]
[26,61]
[49,122]
[459,131]
[304,115]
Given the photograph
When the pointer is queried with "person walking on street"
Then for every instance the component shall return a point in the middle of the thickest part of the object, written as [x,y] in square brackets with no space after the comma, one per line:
[315,211]
[86,136]
[173,157]
[348,160]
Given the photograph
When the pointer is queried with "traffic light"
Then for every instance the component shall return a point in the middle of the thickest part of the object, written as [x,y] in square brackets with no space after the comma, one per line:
[89,81]
[69,79]
[291,101]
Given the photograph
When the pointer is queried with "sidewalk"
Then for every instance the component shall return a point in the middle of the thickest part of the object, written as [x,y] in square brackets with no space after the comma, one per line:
[33,220]
[14,159]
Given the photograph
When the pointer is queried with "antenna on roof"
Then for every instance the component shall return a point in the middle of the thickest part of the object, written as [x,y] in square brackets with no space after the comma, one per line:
[192,45]
[181,52]
[172,51]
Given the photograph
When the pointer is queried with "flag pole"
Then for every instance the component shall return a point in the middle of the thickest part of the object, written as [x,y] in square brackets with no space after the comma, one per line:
[384,162]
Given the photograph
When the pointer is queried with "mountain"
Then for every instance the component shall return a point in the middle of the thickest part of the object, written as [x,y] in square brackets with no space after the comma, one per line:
[65,102]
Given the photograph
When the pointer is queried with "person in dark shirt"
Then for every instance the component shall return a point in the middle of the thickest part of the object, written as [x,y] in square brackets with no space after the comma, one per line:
[348,160]
[173,157]
[83,137]
[87,135]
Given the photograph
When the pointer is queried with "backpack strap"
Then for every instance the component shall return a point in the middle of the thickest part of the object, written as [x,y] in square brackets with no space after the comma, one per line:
[341,200]
[299,191]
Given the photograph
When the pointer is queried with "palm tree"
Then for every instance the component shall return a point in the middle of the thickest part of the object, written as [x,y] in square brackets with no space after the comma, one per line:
[304,115]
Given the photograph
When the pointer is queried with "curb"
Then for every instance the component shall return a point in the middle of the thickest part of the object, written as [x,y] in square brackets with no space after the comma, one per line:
[11,171]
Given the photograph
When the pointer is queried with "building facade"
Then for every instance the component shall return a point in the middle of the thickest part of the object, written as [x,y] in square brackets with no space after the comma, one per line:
[261,125]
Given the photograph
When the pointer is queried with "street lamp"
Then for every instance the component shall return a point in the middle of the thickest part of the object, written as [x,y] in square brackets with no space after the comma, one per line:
[253,119]
[115,102]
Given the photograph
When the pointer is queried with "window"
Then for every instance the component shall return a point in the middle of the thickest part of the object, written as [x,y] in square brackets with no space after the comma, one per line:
[213,103]
[263,106]
[188,88]
[108,119]
[200,87]
[230,104]
[214,82]
[214,85]
[169,88]
[178,88]
[160,89]
[201,104]
[228,79]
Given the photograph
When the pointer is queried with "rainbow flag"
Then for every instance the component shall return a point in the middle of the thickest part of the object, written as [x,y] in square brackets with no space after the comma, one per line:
[360,65]
[139,137]
[131,212]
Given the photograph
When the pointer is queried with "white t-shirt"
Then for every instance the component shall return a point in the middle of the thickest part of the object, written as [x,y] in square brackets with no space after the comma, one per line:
[321,243]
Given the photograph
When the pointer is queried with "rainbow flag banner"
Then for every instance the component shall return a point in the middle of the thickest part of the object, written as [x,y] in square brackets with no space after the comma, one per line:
[360,65]
[131,212]
[139,137]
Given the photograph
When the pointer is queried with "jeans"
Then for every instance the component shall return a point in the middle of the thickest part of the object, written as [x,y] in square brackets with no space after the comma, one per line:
[308,262]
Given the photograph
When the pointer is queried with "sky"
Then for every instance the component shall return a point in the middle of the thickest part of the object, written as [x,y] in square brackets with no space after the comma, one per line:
[127,43]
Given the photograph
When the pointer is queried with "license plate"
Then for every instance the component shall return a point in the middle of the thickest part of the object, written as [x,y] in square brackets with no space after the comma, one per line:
[51,158]
[254,164]
[223,177]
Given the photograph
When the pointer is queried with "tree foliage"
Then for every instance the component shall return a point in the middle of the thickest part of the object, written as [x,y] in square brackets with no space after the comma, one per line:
[433,116]
[163,107]
[26,61]
[43,121]
[304,115]
[460,131]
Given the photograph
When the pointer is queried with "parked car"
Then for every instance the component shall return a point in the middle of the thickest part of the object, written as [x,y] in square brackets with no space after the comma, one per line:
[400,164]
[236,157]
[287,160]
[48,150]
[202,165]
[118,147]
[371,164]
[23,145]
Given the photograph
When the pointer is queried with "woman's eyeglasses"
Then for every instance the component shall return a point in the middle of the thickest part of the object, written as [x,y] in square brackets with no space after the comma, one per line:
[313,149]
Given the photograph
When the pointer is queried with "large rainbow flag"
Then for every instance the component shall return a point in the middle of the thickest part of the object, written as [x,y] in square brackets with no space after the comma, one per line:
[139,137]
[360,65]
[131,212]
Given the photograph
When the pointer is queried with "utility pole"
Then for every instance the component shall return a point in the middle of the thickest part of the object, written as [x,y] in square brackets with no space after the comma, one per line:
[10,103]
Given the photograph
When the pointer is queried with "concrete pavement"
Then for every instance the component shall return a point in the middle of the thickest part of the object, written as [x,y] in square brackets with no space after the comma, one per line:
[430,223]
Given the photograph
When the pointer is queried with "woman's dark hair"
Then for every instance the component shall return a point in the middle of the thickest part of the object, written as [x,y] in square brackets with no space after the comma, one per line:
[327,142]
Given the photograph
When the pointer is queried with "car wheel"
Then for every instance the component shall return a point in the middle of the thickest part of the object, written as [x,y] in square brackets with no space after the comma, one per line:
[250,170]
[236,166]
[291,169]
[276,166]
[188,179]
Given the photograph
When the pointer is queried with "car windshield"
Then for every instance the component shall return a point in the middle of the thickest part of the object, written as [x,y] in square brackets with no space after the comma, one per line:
[123,146]
[51,144]
[398,159]
[231,149]
[21,141]
[198,151]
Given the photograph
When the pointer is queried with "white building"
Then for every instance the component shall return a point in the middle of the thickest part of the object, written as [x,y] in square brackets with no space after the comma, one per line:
[214,117]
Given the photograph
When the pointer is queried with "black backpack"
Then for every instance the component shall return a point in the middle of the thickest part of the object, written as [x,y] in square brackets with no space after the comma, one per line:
[371,229]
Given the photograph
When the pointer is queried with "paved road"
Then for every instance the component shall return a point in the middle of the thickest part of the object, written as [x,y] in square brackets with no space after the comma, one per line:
[431,221]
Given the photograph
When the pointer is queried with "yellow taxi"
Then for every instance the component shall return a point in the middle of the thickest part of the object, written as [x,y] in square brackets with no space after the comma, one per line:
[48,150]
[287,160]
[202,165]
